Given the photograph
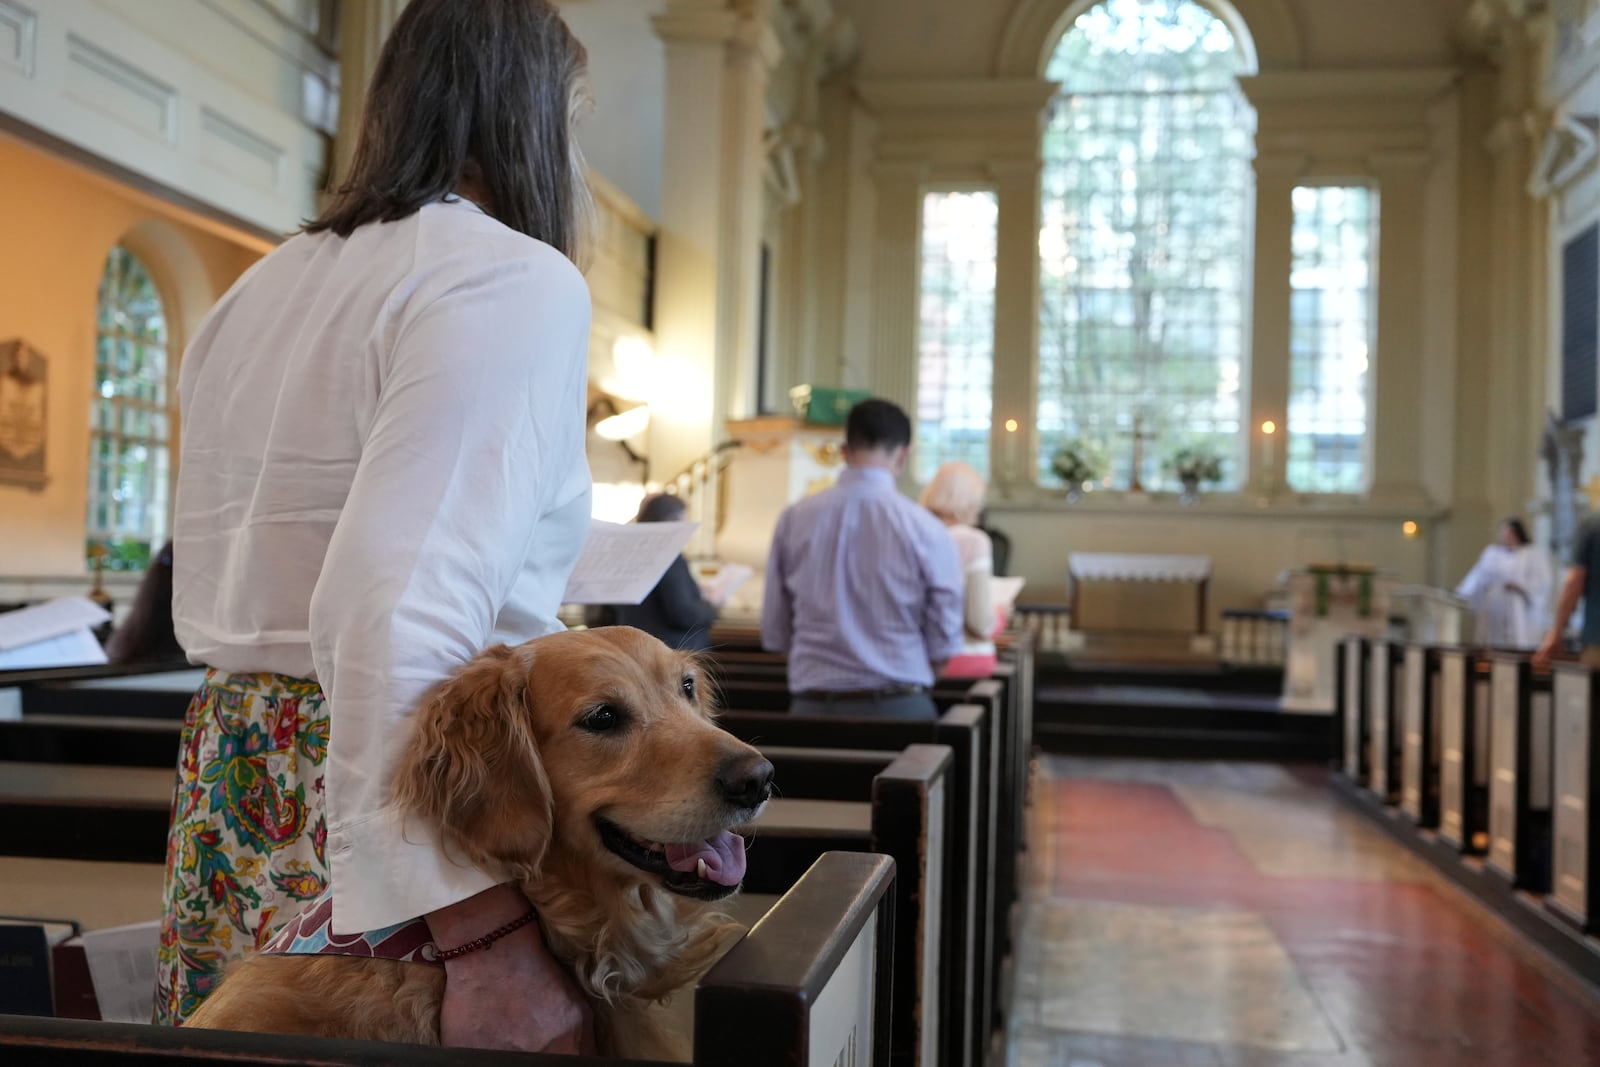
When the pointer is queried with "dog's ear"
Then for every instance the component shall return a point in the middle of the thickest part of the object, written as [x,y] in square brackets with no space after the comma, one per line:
[473,768]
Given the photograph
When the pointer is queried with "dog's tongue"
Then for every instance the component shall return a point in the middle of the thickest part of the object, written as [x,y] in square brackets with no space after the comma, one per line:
[724,856]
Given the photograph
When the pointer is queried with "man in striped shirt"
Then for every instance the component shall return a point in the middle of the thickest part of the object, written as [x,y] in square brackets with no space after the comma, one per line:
[864,586]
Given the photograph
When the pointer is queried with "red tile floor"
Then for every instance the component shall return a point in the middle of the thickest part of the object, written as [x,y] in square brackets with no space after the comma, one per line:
[1217,914]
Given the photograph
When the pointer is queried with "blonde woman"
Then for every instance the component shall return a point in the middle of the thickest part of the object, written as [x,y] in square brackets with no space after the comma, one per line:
[383,473]
[955,496]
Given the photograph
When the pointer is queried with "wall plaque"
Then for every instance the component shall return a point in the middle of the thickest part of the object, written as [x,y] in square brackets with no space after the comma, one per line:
[22,414]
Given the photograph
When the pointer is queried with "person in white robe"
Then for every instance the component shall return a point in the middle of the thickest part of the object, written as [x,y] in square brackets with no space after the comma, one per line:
[1508,588]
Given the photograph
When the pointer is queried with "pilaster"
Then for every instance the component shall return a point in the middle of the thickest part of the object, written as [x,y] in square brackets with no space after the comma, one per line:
[363,27]
[1276,176]
[718,58]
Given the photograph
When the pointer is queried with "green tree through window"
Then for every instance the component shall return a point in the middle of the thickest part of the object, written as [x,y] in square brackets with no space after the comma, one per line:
[1143,246]
[129,453]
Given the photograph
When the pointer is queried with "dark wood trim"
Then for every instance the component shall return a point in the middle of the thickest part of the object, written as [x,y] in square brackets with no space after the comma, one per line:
[74,1042]
[70,152]
[760,994]
[94,672]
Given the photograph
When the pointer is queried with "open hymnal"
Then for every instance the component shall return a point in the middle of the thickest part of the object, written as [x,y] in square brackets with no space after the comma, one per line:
[1004,591]
[122,965]
[621,564]
[53,634]
[719,585]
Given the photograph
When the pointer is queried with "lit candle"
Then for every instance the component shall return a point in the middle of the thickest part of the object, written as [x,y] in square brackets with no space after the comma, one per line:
[1011,450]
[1269,431]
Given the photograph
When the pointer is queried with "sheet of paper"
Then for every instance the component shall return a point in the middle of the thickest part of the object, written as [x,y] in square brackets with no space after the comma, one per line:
[77,648]
[1004,591]
[621,564]
[25,626]
[122,965]
[720,587]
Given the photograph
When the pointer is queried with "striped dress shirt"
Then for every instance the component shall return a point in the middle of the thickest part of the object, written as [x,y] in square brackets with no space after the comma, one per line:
[864,588]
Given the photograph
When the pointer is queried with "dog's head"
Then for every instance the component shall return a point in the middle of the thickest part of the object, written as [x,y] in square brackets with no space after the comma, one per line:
[598,745]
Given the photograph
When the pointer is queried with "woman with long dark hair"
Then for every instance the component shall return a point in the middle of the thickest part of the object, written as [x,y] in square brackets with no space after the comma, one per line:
[383,473]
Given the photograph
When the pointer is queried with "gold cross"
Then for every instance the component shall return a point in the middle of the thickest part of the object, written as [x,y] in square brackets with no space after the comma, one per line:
[1591,489]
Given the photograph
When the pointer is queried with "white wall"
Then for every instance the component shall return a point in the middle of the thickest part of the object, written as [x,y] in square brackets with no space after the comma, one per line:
[224,101]
[622,136]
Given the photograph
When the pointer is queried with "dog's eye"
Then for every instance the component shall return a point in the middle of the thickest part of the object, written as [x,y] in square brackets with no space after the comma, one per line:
[688,687]
[601,719]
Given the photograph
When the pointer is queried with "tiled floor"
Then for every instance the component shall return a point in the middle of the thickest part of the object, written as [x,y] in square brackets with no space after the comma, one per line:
[1217,914]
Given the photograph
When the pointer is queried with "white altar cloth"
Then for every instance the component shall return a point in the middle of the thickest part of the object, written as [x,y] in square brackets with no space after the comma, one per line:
[1137,567]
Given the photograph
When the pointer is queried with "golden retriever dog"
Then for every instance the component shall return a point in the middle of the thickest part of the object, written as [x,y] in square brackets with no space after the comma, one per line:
[589,767]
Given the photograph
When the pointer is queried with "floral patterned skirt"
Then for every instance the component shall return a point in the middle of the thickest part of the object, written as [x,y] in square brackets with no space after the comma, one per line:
[247,846]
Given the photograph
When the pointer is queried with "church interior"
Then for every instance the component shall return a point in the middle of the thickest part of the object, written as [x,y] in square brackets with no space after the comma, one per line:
[1272,329]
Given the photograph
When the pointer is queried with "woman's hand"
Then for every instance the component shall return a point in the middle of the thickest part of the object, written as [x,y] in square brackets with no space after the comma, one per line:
[512,995]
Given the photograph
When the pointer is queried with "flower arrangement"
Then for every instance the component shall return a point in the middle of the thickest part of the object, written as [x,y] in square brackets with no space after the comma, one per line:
[1195,464]
[1077,462]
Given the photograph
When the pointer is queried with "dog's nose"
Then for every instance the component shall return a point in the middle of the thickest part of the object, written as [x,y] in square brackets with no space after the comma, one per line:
[745,781]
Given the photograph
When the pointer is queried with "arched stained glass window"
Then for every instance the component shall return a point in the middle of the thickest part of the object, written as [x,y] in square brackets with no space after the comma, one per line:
[1145,239]
[130,416]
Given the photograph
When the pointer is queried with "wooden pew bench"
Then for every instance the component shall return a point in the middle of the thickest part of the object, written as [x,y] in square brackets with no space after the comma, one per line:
[966,974]
[1463,686]
[896,804]
[1575,881]
[1520,772]
[810,983]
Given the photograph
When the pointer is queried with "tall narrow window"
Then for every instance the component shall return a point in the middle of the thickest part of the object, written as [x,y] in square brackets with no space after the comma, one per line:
[1143,250]
[1330,349]
[955,364]
[130,416]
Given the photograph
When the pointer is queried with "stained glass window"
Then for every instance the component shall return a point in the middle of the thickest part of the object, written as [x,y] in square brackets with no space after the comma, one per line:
[1144,240]
[129,413]
[955,365]
[1331,322]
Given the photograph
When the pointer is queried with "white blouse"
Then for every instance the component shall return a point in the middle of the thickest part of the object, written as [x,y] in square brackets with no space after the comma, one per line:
[382,473]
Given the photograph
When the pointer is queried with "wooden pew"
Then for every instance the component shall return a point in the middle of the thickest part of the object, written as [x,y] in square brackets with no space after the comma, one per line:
[1419,744]
[1575,878]
[1519,790]
[902,801]
[71,812]
[1462,687]
[1353,680]
[143,691]
[51,820]
[1383,728]
[810,983]
[965,981]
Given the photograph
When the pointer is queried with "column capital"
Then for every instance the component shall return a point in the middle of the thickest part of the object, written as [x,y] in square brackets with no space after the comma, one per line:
[706,25]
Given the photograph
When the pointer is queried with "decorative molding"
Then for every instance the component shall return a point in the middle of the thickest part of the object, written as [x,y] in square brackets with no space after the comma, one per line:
[1346,114]
[958,96]
[240,151]
[18,27]
[1570,149]
[1266,29]
[116,88]
[968,125]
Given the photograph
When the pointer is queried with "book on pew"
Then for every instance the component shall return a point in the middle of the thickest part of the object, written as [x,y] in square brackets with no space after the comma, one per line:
[122,966]
[72,983]
[26,986]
